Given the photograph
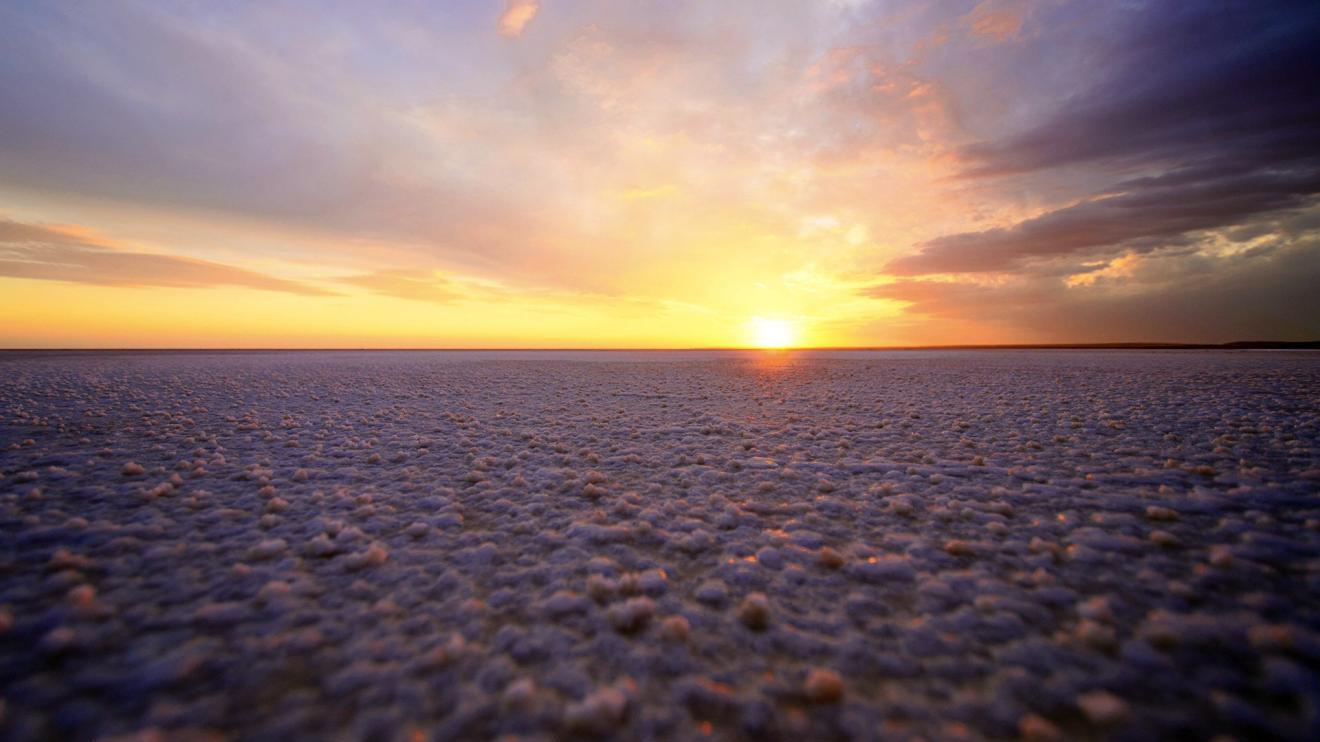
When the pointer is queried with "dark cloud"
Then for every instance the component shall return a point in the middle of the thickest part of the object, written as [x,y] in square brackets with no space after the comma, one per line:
[1144,216]
[46,253]
[1209,119]
[1193,81]
[1266,292]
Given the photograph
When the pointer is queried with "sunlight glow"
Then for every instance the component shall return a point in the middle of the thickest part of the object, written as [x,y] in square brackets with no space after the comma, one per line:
[494,174]
[772,333]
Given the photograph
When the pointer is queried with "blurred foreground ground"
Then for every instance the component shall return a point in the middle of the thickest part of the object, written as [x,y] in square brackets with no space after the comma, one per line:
[1054,544]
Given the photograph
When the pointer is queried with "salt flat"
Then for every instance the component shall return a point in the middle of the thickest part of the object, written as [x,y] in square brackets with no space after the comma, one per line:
[1061,544]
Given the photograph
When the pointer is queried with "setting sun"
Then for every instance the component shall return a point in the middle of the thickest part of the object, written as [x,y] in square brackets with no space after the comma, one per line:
[772,333]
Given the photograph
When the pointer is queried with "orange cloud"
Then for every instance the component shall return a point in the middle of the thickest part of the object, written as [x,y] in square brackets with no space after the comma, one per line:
[73,254]
[418,285]
[517,14]
[997,20]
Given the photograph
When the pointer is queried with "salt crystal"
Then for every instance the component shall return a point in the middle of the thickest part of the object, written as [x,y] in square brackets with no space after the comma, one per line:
[823,686]
[754,612]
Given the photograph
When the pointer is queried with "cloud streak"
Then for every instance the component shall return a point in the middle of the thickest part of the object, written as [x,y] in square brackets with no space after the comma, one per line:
[40,252]
[1144,215]
[417,285]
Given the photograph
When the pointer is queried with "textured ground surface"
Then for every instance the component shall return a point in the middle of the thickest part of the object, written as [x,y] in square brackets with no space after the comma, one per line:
[414,546]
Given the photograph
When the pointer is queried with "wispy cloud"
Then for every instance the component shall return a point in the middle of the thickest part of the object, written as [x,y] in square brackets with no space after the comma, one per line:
[997,20]
[65,254]
[517,14]
[418,285]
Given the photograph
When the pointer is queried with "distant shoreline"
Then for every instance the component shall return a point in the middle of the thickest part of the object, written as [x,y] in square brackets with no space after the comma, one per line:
[1237,345]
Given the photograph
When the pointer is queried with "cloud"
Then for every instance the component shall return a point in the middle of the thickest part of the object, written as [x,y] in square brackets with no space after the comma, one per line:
[1189,82]
[676,150]
[417,131]
[997,20]
[418,285]
[517,14]
[20,233]
[873,101]
[1266,292]
[1143,216]
[1209,120]
[65,254]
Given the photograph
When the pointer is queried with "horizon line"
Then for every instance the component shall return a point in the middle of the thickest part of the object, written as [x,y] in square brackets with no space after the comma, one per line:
[1233,345]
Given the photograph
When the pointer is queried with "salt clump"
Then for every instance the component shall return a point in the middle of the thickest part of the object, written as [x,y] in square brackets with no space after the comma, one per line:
[495,535]
[599,713]
[268,549]
[754,612]
[770,558]
[1155,512]
[823,686]
[829,558]
[653,582]
[1103,708]
[374,556]
[631,615]
[712,592]
[675,628]
[1035,728]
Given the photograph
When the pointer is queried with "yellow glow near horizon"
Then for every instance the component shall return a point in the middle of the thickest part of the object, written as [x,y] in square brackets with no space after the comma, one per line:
[772,333]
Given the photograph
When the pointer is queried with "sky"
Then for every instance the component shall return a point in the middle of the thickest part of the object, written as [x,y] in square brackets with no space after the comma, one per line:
[556,173]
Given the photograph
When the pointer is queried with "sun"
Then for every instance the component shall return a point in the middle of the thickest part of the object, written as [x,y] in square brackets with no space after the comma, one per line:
[772,333]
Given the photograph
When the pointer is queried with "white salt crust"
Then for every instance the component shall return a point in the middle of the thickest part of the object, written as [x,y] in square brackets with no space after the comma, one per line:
[1048,545]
